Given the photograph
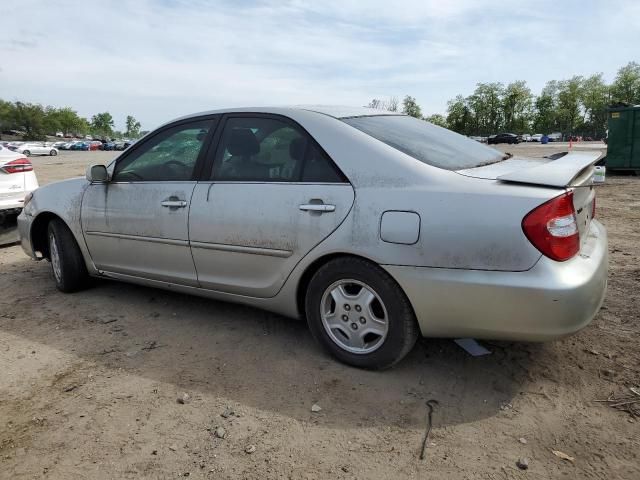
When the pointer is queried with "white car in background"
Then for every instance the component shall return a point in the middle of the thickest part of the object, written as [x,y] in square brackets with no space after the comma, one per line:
[38,148]
[17,179]
[536,137]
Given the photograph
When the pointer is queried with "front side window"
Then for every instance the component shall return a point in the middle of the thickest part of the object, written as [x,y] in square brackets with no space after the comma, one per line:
[169,156]
[270,150]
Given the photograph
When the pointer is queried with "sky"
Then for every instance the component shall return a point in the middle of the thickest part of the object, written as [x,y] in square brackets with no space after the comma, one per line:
[160,59]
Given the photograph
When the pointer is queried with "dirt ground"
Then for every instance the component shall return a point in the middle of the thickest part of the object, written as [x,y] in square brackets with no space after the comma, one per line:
[90,384]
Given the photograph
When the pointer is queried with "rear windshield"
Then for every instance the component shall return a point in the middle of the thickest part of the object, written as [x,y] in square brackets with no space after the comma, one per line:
[426,142]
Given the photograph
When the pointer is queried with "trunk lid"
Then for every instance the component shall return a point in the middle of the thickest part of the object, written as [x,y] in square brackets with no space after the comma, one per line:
[568,171]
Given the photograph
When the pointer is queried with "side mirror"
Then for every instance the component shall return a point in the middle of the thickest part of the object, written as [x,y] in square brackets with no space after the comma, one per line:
[97,174]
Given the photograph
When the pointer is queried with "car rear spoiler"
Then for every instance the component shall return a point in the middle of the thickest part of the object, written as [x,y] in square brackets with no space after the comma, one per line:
[564,170]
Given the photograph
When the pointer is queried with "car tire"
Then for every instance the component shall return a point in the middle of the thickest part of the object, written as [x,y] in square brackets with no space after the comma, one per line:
[376,305]
[53,153]
[67,262]
[26,153]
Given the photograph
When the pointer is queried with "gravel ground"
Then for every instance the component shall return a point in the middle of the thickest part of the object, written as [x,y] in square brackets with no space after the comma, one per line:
[93,384]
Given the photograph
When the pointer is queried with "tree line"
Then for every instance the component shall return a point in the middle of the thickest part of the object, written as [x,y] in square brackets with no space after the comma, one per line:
[575,106]
[35,122]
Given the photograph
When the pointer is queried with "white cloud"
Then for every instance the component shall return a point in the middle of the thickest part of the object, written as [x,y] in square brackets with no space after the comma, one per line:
[158,59]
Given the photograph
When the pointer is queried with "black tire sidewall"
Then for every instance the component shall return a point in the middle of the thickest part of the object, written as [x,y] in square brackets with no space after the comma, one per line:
[73,271]
[402,332]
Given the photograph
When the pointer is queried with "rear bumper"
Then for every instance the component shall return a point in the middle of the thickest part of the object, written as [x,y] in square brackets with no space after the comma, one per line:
[551,300]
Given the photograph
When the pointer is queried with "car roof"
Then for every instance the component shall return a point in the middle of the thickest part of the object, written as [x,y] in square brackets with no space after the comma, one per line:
[335,111]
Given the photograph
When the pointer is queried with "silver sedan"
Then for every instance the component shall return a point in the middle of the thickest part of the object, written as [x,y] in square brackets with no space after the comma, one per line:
[375,227]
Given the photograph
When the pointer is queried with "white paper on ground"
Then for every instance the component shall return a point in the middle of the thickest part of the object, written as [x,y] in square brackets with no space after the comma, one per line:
[472,347]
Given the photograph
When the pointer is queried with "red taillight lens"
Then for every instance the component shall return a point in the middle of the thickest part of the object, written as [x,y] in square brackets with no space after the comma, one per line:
[18,166]
[553,228]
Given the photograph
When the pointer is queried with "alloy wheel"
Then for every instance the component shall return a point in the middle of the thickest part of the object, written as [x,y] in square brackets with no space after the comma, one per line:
[354,316]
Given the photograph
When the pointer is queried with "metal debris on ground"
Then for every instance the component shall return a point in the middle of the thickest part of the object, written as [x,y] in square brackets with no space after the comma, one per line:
[523,463]
[472,347]
[228,412]
[152,345]
[563,455]
[626,403]
[430,405]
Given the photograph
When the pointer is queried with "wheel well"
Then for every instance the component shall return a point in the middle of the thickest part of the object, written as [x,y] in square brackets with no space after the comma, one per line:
[310,272]
[39,233]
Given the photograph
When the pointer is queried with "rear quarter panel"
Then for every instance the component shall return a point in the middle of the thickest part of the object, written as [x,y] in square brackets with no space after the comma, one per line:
[465,223]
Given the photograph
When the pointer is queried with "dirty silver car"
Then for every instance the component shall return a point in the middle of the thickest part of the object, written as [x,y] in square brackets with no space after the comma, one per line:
[377,228]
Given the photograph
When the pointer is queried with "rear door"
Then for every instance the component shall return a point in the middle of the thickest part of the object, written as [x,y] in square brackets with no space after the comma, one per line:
[137,223]
[273,195]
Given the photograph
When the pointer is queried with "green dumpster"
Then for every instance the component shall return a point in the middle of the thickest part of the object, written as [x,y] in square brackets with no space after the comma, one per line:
[623,145]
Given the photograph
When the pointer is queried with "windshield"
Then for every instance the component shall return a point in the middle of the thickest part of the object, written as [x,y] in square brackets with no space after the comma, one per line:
[435,146]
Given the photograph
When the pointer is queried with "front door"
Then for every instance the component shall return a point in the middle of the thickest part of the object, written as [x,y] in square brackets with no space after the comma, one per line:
[137,223]
[272,197]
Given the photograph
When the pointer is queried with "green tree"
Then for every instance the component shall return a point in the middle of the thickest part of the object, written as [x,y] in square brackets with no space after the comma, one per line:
[7,115]
[569,103]
[595,99]
[459,117]
[486,106]
[102,124]
[133,127]
[65,120]
[30,117]
[517,103]
[546,117]
[437,119]
[626,86]
[411,107]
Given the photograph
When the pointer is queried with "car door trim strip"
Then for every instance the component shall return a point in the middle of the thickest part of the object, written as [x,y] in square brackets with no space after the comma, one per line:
[139,238]
[271,252]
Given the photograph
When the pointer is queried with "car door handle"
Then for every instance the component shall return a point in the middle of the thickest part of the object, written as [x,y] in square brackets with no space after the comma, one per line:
[317,207]
[173,203]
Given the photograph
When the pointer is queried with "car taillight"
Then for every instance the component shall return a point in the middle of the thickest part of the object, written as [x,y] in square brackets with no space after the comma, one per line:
[18,166]
[553,228]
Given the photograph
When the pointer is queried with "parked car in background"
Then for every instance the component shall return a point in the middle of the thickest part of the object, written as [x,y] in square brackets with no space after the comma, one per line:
[36,148]
[536,137]
[525,137]
[555,137]
[58,145]
[95,145]
[277,210]
[83,145]
[109,146]
[17,179]
[503,138]
[68,145]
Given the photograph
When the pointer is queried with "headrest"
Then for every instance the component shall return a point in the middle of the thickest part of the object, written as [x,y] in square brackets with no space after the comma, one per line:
[297,148]
[243,142]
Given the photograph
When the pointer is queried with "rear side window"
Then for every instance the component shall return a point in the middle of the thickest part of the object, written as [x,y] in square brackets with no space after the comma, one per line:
[265,149]
[428,143]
